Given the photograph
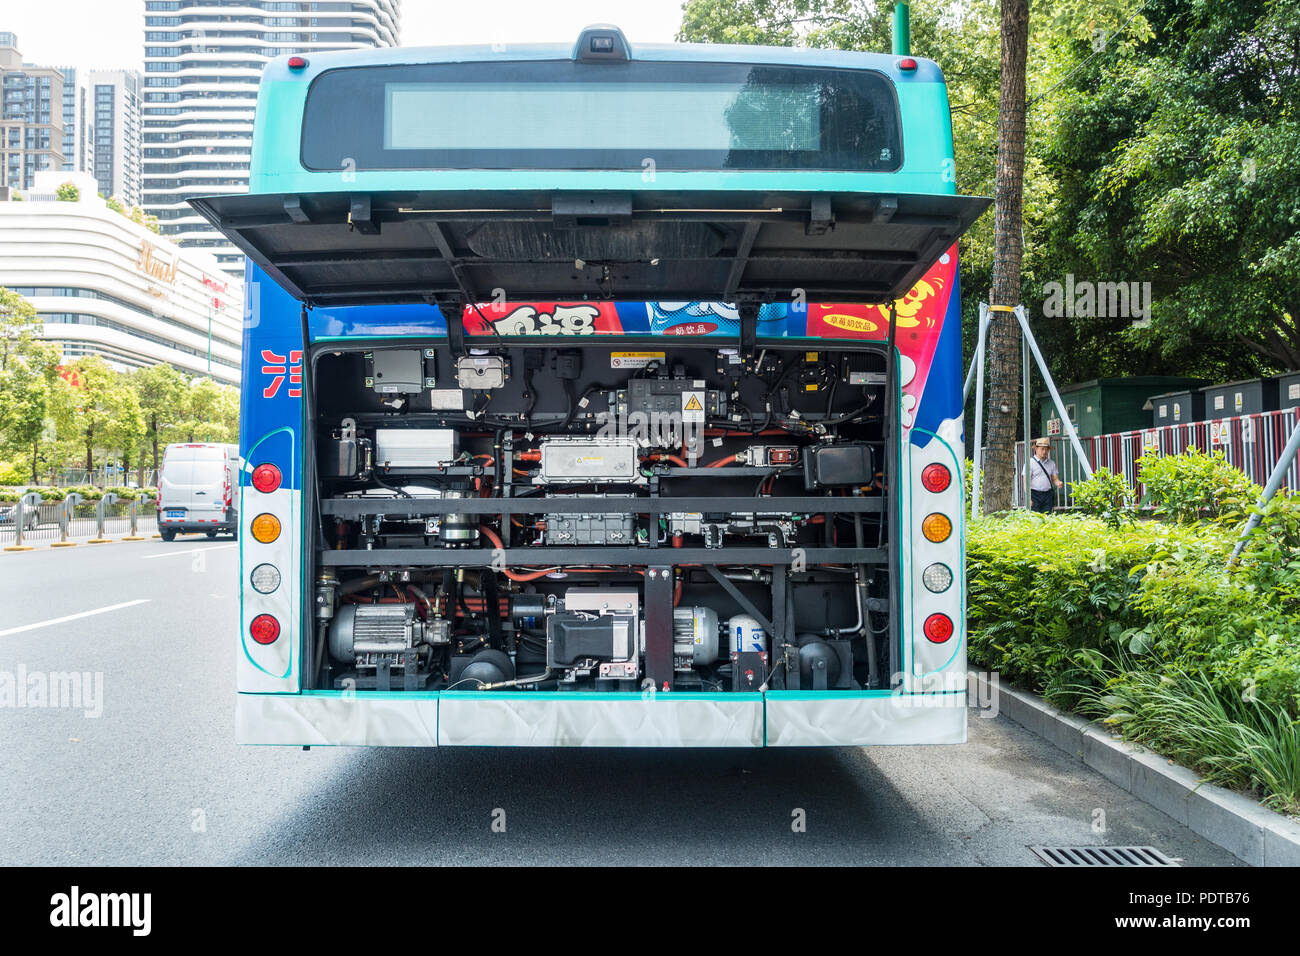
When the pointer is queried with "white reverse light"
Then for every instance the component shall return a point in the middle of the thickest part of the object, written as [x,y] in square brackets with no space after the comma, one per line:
[937,578]
[265,578]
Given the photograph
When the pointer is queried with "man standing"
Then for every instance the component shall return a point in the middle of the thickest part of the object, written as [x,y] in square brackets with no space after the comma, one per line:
[1043,477]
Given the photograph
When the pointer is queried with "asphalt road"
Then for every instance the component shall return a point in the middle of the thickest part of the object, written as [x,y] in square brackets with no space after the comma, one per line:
[156,779]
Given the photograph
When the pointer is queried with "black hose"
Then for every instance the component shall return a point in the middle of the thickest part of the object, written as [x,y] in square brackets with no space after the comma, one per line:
[401,492]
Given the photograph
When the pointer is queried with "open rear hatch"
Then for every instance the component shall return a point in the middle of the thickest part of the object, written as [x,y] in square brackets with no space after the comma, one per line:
[336,249]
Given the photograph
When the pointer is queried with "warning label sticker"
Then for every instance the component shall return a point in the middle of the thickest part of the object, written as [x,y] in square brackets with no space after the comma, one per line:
[692,407]
[634,359]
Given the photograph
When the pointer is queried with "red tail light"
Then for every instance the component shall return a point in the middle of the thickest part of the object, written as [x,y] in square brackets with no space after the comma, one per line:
[936,477]
[297,62]
[266,478]
[264,629]
[938,628]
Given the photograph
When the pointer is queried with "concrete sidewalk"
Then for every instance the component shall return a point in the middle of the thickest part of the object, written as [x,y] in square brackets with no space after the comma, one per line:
[1235,822]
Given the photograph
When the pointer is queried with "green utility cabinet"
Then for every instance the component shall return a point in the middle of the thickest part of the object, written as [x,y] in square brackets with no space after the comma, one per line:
[1106,405]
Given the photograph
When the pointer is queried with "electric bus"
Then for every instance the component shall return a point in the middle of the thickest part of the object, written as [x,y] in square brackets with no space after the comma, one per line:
[601,394]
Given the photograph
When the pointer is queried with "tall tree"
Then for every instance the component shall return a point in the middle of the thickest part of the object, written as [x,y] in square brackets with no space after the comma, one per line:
[1179,164]
[163,393]
[20,325]
[1008,254]
[25,388]
[101,410]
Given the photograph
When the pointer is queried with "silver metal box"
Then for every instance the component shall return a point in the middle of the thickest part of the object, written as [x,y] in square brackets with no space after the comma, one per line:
[414,447]
[580,460]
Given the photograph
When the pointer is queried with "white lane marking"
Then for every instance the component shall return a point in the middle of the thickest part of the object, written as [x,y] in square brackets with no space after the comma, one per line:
[170,554]
[73,617]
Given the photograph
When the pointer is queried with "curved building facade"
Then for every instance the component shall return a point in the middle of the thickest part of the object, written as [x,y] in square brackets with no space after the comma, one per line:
[105,285]
[203,61]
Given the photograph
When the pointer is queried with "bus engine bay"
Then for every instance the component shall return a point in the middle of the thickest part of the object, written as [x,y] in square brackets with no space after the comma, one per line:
[601,516]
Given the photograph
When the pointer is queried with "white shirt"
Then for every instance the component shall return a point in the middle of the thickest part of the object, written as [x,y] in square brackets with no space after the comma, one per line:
[1039,470]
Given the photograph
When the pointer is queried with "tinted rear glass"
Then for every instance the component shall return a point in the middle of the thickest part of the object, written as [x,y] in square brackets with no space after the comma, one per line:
[559,114]
[194,472]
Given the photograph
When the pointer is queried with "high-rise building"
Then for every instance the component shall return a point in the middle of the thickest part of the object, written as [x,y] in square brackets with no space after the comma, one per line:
[203,60]
[117,132]
[31,117]
[78,124]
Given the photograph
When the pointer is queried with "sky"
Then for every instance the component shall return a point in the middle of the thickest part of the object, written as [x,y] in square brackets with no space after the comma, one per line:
[110,33]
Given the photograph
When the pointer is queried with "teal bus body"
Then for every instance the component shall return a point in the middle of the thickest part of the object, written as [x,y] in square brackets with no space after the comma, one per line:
[277,704]
[928,163]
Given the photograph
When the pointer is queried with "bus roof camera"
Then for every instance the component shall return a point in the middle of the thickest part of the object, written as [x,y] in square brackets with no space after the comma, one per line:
[601,42]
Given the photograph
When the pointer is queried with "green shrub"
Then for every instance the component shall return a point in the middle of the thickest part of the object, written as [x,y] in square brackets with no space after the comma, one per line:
[68,192]
[1040,587]
[1147,626]
[11,474]
[1106,496]
[1230,738]
[968,480]
[1195,485]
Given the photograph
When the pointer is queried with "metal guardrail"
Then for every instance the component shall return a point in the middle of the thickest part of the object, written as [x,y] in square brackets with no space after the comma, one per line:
[35,522]
[1253,443]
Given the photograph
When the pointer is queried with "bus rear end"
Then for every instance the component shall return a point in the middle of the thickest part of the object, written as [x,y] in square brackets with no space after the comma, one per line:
[649,436]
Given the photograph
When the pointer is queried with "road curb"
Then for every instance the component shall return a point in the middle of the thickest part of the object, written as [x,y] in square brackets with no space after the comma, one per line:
[1241,826]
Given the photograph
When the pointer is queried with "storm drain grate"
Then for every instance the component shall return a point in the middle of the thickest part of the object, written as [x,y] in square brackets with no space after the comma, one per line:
[1102,856]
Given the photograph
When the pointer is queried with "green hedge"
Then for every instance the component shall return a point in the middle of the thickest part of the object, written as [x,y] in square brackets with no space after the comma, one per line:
[1118,622]
[87,492]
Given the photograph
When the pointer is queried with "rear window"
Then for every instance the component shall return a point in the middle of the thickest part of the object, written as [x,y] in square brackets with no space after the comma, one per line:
[195,453]
[194,472]
[559,114]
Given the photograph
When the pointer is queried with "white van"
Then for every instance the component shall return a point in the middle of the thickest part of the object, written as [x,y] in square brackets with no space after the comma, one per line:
[197,490]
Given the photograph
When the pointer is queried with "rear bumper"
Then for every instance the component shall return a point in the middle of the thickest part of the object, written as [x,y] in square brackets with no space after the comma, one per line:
[187,525]
[774,719]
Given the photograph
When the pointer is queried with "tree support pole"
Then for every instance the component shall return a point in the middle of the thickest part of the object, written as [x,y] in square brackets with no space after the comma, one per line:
[979,412]
[1068,425]
[1274,482]
[1024,417]
[978,357]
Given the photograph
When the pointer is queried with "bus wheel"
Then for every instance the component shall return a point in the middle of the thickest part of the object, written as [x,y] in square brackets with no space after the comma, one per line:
[168,535]
[210,534]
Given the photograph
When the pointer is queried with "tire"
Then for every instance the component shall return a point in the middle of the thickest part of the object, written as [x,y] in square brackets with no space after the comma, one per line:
[210,534]
[168,534]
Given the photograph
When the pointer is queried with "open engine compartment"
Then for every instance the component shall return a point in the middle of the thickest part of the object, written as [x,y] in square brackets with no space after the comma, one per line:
[600,514]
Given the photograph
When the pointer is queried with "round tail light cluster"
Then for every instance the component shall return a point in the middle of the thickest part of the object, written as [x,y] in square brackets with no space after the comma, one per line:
[264,629]
[936,527]
[936,477]
[266,528]
[266,478]
[938,628]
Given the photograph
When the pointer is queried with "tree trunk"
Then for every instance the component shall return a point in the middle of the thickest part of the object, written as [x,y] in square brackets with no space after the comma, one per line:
[1008,251]
[36,450]
[155,449]
[90,455]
